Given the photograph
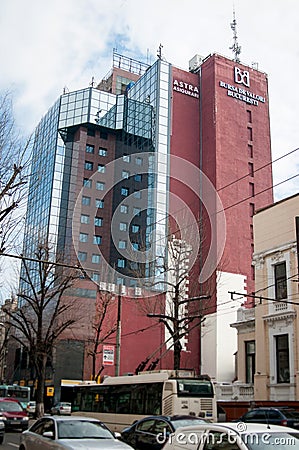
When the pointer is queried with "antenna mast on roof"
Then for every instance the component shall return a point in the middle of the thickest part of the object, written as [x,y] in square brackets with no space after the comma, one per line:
[159,52]
[236,48]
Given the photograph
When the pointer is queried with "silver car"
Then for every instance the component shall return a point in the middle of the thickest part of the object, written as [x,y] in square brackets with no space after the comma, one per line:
[71,433]
[62,408]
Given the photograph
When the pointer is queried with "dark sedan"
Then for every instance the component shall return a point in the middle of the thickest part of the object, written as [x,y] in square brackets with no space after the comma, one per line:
[275,416]
[151,433]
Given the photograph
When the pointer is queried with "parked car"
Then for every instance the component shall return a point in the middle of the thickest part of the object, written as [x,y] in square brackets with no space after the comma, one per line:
[30,408]
[2,429]
[71,433]
[275,416]
[62,408]
[152,432]
[233,436]
[13,414]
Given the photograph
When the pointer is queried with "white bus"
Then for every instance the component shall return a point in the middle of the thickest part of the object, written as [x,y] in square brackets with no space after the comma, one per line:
[119,401]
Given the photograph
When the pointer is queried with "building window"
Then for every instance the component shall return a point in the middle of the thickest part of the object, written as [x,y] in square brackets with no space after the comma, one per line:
[83,237]
[135,228]
[122,244]
[137,194]
[250,361]
[85,218]
[126,158]
[95,276]
[250,169]
[124,209]
[97,239]
[101,168]
[87,182]
[135,245]
[249,130]
[250,151]
[125,174]
[95,258]
[102,151]
[251,231]
[251,209]
[98,221]
[282,358]
[82,256]
[99,203]
[91,132]
[123,226]
[124,191]
[86,201]
[280,276]
[88,165]
[138,177]
[100,186]
[121,263]
[136,211]
[138,161]
[89,148]
[251,189]
[249,116]
[104,135]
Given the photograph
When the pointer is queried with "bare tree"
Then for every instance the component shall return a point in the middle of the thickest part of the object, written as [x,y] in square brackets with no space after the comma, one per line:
[14,172]
[186,302]
[104,326]
[44,311]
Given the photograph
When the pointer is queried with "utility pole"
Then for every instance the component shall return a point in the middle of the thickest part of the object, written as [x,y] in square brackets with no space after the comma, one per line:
[118,333]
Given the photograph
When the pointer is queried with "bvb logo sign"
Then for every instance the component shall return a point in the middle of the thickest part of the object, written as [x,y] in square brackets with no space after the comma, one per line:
[187,224]
[242,77]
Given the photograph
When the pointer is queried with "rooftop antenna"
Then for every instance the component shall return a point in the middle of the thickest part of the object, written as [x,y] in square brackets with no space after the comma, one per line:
[159,53]
[236,48]
[92,83]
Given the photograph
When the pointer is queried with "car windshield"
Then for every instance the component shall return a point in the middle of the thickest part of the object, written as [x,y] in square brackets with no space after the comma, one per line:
[186,422]
[82,429]
[264,441]
[10,407]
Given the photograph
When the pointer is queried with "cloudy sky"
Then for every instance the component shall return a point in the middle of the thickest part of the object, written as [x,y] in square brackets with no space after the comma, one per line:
[49,45]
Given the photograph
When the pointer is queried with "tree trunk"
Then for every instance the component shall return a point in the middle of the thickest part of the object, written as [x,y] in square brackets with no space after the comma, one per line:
[177,355]
[40,392]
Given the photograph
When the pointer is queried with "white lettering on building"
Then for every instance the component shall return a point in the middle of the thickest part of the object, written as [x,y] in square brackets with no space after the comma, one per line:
[242,94]
[186,88]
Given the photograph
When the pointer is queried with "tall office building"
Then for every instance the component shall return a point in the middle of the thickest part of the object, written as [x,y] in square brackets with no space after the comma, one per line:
[150,153]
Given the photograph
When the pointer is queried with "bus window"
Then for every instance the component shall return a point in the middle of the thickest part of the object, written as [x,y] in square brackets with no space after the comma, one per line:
[195,388]
[138,397]
[153,400]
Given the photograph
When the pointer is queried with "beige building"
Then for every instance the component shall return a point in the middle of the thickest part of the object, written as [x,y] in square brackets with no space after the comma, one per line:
[268,335]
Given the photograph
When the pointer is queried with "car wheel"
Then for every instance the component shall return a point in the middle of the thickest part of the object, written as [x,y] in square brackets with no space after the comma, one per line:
[22,447]
[1,439]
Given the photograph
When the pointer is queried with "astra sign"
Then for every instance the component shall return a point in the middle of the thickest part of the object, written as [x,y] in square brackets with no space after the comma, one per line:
[185,88]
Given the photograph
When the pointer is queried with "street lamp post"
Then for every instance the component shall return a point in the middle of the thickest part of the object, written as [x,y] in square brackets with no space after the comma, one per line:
[118,334]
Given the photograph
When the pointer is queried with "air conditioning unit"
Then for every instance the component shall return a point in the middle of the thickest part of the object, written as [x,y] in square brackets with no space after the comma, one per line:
[102,286]
[195,63]
[138,291]
[111,287]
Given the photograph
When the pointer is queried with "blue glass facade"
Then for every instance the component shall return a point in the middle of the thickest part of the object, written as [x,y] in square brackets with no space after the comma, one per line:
[139,121]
